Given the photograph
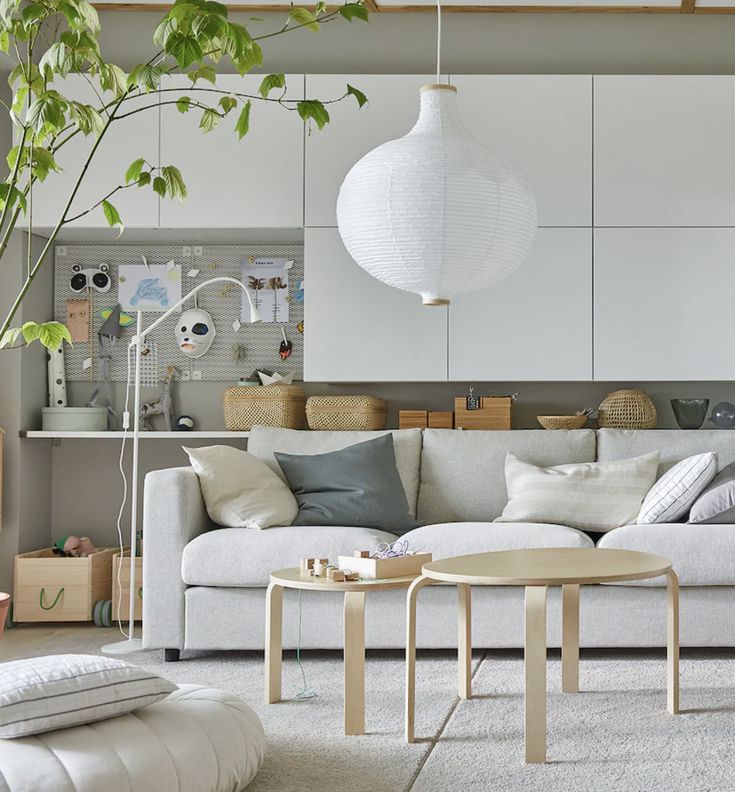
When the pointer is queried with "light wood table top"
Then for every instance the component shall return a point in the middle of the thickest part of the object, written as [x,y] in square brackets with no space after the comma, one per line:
[292,578]
[552,566]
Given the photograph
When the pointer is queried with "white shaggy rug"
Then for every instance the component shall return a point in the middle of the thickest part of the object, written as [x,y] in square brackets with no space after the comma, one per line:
[615,736]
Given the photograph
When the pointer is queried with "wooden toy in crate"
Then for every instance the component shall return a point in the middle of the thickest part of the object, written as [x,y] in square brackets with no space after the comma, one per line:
[52,588]
[121,593]
[491,412]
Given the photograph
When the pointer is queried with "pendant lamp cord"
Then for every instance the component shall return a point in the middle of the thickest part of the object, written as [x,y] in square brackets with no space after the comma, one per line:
[438,40]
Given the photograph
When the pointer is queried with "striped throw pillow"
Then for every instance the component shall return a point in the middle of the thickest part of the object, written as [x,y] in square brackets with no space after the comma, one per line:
[592,496]
[673,494]
[45,693]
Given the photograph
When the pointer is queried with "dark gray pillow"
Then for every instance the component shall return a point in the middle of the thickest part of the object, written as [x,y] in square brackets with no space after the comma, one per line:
[717,503]
[356,486]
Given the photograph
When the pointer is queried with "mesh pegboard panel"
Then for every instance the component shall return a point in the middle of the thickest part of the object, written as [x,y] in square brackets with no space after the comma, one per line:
[261,341]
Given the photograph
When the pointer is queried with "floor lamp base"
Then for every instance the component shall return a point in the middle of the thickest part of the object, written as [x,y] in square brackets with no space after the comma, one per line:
[123,647]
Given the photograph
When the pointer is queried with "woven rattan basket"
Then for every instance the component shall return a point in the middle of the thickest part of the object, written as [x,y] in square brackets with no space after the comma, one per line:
[345,413]
[562,421]
[627,409]
[272,405]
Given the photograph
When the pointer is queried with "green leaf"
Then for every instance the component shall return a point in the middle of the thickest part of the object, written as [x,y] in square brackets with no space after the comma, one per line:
[56,60]
[88,17]
[166,27]
[112,216]
[236,40]
[175,186]
[87,118]
[159,186]
[227,103]
[183,104]
[9,337]
[19,99]
[304,18]
[313,109]
[46,114]
[270,82]
[144,179]
[243,122]
[352,11]
[204,72]
[146,76]
[251,58]
[53,334]
[358,94]
[113,78]
[12,195]
[133,172]
[31,331]
[185,48]
[210,119]
[43,163]
[4,41]
[32,13]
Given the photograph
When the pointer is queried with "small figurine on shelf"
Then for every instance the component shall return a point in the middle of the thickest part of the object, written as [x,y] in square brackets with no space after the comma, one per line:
[74,547]
[164,405]
[184,423]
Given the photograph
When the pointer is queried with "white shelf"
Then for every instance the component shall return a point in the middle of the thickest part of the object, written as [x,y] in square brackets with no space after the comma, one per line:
[143,435]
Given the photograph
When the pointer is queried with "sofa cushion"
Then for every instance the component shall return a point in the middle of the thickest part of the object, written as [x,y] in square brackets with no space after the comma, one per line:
[463,473]
[240,557]
[701,555]
[445,540]
[673,494]
[265,440]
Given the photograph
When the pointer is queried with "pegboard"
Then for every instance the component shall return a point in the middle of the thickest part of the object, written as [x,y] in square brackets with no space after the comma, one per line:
[261,341]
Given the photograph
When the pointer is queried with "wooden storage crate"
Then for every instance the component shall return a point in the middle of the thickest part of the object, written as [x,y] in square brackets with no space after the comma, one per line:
[441,420]
[49,587]
[121,593]
[494,413]
[379,568]
[413,419]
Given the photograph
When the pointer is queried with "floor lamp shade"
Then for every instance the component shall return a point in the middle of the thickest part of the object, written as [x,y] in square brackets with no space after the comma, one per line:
[435,212]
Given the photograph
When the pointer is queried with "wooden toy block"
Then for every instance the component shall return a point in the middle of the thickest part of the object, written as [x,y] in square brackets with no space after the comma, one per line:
[337,575]
[361,554]
[352,575]
[412,419]
[306,565]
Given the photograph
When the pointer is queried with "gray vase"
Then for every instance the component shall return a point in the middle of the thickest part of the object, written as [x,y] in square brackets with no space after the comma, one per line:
[723,415]
[690,413]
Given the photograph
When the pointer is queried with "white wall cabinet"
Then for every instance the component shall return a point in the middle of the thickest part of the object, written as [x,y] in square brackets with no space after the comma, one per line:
[543,124]
[392,109]
[664,151]
[663,304]
[357,329]
[127,140]
[256,182]
[534,325]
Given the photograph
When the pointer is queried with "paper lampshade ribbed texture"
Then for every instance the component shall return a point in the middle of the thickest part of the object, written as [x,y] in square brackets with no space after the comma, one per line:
[435,212]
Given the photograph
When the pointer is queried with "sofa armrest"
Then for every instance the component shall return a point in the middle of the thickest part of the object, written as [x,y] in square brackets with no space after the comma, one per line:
[173,514]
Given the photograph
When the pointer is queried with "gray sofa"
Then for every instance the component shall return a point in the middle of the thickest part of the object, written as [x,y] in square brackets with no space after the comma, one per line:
[205,586]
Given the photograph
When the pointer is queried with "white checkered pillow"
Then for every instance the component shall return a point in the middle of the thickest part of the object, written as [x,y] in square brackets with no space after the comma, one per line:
[45,693]
[673,494]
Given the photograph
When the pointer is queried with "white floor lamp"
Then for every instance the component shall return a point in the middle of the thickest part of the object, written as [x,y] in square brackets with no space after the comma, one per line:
[131,643]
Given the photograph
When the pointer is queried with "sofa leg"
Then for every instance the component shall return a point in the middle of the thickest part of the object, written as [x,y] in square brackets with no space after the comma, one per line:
[171,655]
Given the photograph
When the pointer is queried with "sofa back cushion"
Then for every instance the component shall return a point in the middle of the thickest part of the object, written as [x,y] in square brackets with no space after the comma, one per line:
[265,440]
[463,473]
[673,445]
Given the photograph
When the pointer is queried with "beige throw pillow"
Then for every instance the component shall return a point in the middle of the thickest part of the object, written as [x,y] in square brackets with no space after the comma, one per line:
[592,496]
[239,490]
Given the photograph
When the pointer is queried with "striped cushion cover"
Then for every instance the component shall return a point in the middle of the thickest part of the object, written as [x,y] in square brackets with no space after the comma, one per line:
[45,693]
[673,494]
[592,496]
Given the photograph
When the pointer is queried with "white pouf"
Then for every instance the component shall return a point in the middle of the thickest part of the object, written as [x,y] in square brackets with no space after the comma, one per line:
[196,740]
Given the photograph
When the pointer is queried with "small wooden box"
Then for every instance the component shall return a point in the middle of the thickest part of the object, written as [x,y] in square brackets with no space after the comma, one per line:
[494,413]
[50,588]
[413,419]
[441,420]
[121,593]
[379,568]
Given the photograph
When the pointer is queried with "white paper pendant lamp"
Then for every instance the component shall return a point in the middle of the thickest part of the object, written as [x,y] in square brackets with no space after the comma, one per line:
[435,212]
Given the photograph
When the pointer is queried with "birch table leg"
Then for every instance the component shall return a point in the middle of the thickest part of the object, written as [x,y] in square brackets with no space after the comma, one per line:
[464,641]
[672,642]
[535,667]
[570,639]
[413,591]
[354,659]
[273,642]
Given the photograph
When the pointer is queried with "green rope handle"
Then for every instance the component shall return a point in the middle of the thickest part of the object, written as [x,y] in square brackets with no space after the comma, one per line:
[54,603]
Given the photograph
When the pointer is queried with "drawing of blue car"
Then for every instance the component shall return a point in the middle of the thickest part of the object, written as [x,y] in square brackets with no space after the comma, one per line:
[150,290]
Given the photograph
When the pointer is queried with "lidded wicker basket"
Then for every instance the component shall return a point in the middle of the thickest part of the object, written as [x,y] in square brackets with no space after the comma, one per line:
[345,413]
[627,409]
[271,405]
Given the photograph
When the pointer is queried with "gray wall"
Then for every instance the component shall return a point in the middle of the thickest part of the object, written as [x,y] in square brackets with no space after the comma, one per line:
[86,488]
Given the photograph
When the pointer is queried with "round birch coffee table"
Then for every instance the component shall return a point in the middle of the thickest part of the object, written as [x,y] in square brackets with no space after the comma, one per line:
[537,570]
[353,634]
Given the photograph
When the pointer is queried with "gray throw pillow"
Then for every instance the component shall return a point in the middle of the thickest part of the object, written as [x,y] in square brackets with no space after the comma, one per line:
[717,503]
[357,486]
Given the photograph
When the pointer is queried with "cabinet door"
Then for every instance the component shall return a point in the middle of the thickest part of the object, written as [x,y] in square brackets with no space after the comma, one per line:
[536,324]
[543,124]
[126,140]
[256,182]
[357,329]
[663,304]
[664,153]
[391,111]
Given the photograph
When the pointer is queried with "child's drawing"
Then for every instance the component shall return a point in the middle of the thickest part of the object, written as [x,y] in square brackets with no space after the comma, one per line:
[152,287]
